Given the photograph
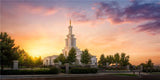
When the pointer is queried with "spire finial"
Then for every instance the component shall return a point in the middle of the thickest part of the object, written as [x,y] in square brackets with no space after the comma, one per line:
[70,22]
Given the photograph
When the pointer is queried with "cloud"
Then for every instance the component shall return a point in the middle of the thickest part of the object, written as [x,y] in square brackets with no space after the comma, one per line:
[33,9]
[108,10]
[79,16]
[153,27]
[82,17]
[50,11]
[136,12]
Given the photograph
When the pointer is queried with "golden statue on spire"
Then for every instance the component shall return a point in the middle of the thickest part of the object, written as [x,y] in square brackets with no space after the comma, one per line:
[70,22]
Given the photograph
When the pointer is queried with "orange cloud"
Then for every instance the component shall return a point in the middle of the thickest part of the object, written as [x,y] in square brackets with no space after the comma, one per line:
[50,11]
[41,10]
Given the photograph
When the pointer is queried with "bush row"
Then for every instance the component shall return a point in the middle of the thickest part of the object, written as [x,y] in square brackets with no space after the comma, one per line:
[25,72]
[83,70]
[49,71]
[151,70]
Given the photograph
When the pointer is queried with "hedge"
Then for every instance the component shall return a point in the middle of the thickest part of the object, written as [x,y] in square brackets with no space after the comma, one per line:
[26,72]
[83,70]
[151,70]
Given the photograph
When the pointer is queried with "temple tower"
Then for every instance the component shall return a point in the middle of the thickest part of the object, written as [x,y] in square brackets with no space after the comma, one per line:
[70,41]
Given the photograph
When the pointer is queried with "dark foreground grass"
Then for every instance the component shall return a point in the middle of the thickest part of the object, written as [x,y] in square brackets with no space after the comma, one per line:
[94,77]
[155,73]
[121,74]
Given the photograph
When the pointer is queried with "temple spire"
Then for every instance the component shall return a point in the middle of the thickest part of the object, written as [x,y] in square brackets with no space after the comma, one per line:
[70,22]
[70,27]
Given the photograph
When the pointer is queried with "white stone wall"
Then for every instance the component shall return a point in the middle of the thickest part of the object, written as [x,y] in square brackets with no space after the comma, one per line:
[93,60]
[49,60]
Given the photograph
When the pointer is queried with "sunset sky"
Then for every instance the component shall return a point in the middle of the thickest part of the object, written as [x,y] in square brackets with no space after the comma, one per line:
[102,26]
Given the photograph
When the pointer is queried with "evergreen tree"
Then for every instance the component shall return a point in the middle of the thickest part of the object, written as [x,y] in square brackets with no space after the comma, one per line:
[71,56]
[124,60]
[8,50]
[149,63]
[62,58]
[102,61]
[116,59]
[109,59]
[85,57]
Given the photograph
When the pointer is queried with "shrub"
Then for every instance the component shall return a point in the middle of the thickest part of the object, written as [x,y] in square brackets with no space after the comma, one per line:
[151,70]
[54,70]
[63,71]
[24,72]
[83,70]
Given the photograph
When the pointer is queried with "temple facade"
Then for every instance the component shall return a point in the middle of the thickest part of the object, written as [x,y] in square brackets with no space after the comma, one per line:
[70,42]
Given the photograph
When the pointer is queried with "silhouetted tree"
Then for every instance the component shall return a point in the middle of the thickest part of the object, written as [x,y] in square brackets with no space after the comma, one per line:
[8,50]
[102,61]
[62,58]
[148,66]
[109,59]
[124,60]
[85,57]
[116,59]
[149,63]
[71,56]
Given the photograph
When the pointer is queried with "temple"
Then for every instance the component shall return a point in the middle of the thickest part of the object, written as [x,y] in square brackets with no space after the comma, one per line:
[70,42]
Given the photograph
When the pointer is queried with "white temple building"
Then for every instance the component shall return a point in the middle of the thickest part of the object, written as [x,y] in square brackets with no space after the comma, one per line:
[70,42]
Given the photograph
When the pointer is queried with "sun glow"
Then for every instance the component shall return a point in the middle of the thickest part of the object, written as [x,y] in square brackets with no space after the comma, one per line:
[36,51]
[42,51]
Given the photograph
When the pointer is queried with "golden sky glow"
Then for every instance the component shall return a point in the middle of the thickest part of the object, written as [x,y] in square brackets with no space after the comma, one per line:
[41,28]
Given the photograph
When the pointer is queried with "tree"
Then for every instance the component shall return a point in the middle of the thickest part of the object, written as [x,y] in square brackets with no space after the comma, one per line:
[124,60]
[71,56]
[23,57]
[85,57]
[38,61]
[116,59]
[56,60]
[28,61]
[149,63]
[8,50]
[109,59]
[102,61]
[62,58]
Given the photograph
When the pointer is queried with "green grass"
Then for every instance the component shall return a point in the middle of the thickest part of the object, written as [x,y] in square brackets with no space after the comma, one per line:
[125,74]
